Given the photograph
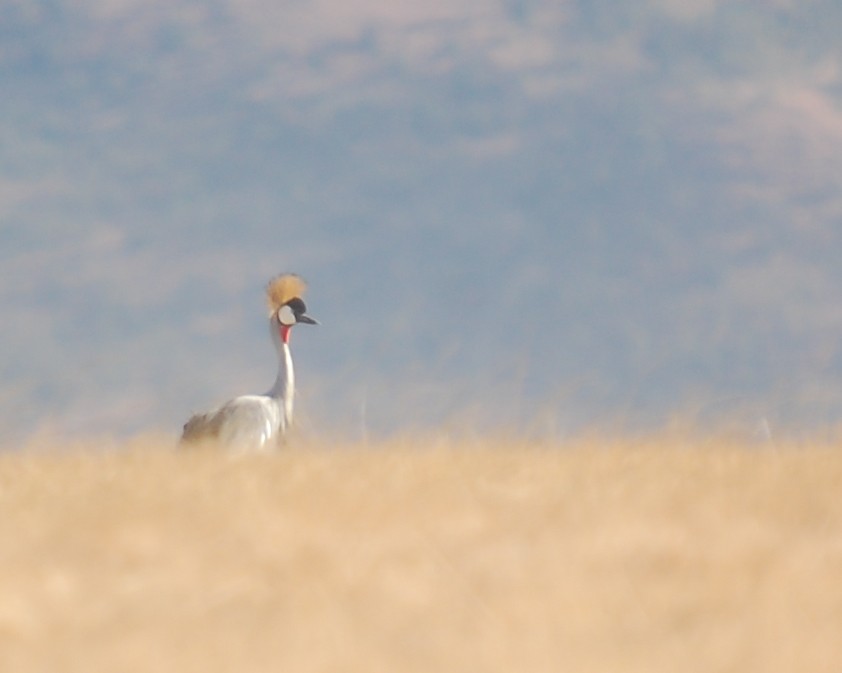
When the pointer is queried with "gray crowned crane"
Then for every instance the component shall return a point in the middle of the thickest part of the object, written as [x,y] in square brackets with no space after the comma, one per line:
[259,422]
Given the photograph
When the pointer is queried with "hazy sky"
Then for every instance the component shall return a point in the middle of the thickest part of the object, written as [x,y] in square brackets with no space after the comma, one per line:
[525,214]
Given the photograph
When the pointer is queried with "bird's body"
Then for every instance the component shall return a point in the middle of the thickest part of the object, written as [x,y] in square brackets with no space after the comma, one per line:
[259,422]
[246,422]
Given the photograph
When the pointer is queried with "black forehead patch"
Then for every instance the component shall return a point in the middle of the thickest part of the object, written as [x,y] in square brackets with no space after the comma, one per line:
[297,305]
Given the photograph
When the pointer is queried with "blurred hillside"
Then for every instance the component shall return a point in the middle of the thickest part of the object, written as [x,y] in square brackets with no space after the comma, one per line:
[565,211]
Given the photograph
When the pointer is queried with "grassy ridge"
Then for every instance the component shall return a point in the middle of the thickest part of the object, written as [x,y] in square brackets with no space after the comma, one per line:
[488,557]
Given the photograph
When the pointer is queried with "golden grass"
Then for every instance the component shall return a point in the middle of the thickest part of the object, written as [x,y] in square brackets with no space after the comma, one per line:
[410,558]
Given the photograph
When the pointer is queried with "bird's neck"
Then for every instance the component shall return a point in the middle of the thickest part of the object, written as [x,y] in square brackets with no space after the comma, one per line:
[284,389]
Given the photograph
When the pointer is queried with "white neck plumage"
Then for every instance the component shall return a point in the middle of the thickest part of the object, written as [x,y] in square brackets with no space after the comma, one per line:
[284,389]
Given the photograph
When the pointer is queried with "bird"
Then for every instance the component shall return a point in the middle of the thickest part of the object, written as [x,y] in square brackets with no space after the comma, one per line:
[260,422]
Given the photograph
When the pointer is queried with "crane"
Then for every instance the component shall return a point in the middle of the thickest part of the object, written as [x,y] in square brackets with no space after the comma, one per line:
[259,422]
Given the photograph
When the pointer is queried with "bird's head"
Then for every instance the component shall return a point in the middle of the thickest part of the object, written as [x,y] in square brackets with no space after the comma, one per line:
[286,307]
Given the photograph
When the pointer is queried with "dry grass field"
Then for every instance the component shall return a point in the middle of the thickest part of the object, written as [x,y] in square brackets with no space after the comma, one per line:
[650,556]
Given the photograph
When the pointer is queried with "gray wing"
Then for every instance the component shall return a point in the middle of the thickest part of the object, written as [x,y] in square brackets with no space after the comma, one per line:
[201,427]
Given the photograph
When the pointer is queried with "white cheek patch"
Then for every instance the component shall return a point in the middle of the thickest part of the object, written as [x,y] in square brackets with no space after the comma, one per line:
[286,316]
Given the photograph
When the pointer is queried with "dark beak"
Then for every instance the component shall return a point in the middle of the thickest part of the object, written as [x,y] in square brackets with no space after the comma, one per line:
[306,319]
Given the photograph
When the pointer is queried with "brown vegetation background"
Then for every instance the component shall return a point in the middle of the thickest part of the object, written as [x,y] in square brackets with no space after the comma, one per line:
[414,556]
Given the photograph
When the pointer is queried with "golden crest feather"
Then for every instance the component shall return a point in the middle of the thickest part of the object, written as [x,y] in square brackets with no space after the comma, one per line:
[283,288]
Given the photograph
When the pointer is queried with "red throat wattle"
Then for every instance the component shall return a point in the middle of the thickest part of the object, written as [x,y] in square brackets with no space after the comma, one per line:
[285,330]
